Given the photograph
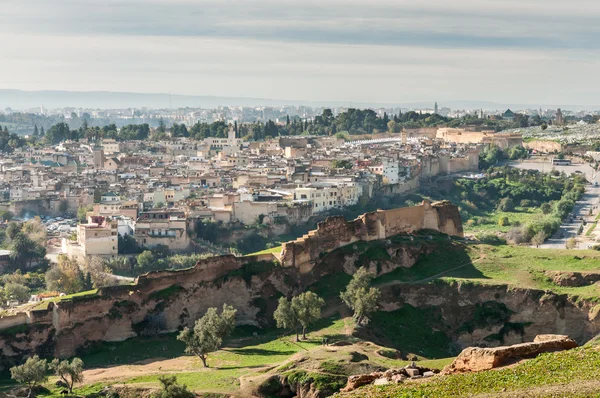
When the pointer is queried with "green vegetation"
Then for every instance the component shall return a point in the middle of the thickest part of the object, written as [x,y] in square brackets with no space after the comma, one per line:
[69,297]
[412,330]
[568,373]
[302,311]
[359,296]
[208,332]
[276,249]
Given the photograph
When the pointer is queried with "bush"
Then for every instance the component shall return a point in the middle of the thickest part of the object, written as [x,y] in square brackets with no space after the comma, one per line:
[503,221]
[491,239]
[546,208]
[506,204]
[526,203]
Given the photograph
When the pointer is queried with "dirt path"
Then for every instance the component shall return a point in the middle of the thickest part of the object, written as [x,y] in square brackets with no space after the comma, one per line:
[151,366]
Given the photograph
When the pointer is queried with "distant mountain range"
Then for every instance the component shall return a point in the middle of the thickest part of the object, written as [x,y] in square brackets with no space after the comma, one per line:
[20,100]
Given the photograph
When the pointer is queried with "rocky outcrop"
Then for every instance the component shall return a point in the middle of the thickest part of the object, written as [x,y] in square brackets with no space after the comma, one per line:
[488,315]
[476,359]
[390,376]
[573,279]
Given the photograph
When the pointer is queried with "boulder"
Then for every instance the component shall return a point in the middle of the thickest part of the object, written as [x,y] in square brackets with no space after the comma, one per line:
[475,359]
[357,381]
[411,372]
[381,381]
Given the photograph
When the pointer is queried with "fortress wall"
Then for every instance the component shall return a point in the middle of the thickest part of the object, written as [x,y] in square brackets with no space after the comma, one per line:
[403,220]
[336,232]
[14,320]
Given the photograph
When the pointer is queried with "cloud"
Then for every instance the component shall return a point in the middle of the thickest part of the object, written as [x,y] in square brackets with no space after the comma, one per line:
[380,51]
[437,23]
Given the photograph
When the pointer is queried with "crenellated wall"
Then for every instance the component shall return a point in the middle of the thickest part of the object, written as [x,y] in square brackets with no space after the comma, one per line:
[336,232]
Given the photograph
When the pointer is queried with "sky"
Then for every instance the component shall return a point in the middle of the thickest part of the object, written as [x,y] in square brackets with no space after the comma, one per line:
[387,51]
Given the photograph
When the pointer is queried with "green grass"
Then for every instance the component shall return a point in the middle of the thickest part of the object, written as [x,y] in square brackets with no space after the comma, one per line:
[44,304]
[412,330]
[488,222]
[276,249]
[554,369]
[591,229]
[518,266]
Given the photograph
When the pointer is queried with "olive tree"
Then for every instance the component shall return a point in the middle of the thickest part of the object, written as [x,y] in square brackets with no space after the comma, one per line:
[301,311]
[307,307]
[69,372]
[31,373]
[208,332]
[361,298]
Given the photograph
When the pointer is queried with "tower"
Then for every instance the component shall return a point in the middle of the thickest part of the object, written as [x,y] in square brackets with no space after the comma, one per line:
[98,158]
[560,121]
[435,108]
[231,135]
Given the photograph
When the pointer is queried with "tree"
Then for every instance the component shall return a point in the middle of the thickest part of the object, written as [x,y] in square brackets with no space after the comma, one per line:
[506,204]
[571,243]
[285,316]
[145,260]
[170,389]
[546,208]
[538,238]
[307,307]
[392,126]
[24,251]
[16,291]
[359,296]
[341,164]
[31,373]
[82,213]
[65,276]
[99,273]
[69,372]
[208,332]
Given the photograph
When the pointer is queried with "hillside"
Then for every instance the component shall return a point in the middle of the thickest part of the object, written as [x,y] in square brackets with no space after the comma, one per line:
[573,373]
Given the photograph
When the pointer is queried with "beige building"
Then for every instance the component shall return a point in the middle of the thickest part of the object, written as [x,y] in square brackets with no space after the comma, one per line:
[98,237]
[162,227]
[110,146]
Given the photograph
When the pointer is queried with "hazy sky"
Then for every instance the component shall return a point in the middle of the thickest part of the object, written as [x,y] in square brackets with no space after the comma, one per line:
[523,51]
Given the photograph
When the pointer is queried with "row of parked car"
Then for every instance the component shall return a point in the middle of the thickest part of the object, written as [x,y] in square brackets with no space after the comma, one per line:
[60,225]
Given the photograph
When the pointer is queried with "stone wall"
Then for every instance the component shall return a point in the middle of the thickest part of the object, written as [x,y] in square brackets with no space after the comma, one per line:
[336,232]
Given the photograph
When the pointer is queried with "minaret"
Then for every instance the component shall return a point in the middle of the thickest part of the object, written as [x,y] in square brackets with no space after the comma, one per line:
[435,108]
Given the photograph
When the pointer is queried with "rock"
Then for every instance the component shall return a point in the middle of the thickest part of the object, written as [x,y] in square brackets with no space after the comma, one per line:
[381,381]
[398,378]
[475,359]
[428,374]
[357,381]
[411,372]
[416,377]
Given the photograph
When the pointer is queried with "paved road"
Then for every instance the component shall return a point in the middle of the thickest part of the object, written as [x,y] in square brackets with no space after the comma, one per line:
[589,200]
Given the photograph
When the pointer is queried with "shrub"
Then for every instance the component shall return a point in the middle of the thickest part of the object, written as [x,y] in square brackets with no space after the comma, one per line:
[503,221]
[506,204]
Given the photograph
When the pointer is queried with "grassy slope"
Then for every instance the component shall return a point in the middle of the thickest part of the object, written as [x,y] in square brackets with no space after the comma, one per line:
[503,264]
[569,371]
[245,355]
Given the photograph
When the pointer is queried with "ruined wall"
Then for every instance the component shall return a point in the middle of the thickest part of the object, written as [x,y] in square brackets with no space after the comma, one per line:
[336,232]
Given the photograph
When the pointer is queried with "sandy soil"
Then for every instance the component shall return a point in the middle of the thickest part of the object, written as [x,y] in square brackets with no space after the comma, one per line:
[150,366]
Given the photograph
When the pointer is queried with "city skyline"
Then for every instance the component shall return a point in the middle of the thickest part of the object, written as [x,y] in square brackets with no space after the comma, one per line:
[526,52]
